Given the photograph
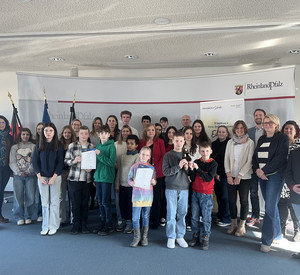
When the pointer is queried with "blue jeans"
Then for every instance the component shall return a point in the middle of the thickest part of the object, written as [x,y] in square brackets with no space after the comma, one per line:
[4,177]
[24,196]
[103,190]
[297,212]
[204,203]
[136,214]
[177,204]
[271,190]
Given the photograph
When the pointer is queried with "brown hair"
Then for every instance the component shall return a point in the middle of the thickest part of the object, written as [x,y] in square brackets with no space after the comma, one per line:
[236,124]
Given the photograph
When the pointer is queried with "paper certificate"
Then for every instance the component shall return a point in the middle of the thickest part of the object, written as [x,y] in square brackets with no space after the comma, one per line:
[143,177]
[88,159]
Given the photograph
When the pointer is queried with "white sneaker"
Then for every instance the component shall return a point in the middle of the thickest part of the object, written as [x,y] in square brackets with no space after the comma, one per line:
[39,219]
[44,232]
[265,248]
[171,243]
[182,242]
[52,232]
[297,237]
[20,222]
[28,221]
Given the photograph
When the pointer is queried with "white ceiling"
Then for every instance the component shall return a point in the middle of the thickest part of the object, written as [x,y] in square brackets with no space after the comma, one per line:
[97,34]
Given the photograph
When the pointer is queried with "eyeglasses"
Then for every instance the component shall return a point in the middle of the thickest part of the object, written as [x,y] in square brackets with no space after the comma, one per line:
[269,123]
[2,122]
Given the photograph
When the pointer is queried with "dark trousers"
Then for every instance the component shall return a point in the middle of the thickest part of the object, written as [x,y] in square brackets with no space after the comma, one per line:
[243,189]
[284,205]
[103,190]
[156,205]
[125,202]
[4,178]
[254,196]
[222,199]
[79,195]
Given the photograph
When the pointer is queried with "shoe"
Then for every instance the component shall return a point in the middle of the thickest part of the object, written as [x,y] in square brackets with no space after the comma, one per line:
[108,229]
[297,237]
[20,222]
[265,248]
[144,241]
[188,228]
[3,220]
[99,228]
[252,221]
[171,243]
[39,219]
[162,222]
[233,227]
[194,240]
[28,221]
[241,231]
[128,228]
[85,229]
[121,225]
[75,229]
[136,237]
[44,232]
[204,243]
[52,232]
[296,255]
[182,243]
[223,224]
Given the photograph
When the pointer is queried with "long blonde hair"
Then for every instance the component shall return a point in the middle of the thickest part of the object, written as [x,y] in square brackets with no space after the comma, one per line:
[275,119]
[144,138]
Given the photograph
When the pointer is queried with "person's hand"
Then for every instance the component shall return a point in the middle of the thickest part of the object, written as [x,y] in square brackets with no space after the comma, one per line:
[230,180]
[153,181]
[77,159]
[186,166]
[236,181]
[191,165]
[182,163]
[97,152]
[88,170]
[259,172]
[296,188]
[217,177]
[23,174]
[51,181]
[196,166]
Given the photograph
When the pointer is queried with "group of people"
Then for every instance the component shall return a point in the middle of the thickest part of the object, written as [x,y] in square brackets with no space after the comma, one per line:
[185,166]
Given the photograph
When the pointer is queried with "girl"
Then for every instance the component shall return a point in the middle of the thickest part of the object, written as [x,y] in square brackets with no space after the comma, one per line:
[169,138]
[24,178]
[141,198]
[48,161]
[190,143]
[94,135]
[199,129]
[112,123]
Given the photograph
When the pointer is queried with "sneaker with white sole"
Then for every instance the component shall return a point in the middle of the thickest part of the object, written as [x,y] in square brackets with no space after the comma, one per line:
[20,222]
[44,232]
[297,237]
[182,243]
[171,243]
[223,224]
[28,221]
[39,219]
[52,232]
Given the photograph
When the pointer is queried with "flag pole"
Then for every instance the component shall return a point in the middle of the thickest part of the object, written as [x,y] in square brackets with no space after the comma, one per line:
[16,124]
[72,110]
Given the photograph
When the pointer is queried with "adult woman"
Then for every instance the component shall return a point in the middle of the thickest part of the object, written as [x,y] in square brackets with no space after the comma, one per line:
[94,135]
[48,161]
[169,138]
[39,129]
[199,129]
[66,137]
[220,187]
[269,162]
[238,168]
[190,143]
[158,129]
[112,123]
[157,146]
[291,129]
[6,141]
[20,162]
[293,181]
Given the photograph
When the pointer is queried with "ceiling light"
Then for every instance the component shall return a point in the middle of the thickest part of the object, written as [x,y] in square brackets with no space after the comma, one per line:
[210,54]
[56,59]
[131,56]
[162,21]
[25,1]
[295,51]
[247,65]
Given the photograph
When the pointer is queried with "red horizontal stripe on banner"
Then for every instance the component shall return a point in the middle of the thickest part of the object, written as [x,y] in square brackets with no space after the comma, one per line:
[269,98]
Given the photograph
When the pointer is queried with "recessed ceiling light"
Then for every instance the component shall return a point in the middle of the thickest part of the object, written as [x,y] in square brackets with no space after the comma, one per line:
[131,56]
[56,59]
[162,21]
[295,51]
[25,1]
[210,54]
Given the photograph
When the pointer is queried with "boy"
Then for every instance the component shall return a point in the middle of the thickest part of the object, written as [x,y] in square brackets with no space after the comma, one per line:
[164,124]
[78,181]
[126,117]
[177,190]
[121,184]
[104,177]
[202,173]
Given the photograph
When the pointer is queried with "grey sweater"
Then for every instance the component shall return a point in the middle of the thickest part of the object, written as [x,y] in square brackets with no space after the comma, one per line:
[176,177]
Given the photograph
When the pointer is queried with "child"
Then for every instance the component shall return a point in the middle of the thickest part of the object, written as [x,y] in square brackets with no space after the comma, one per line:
[78,181]
[104,177]
[177,190]
[202,174]
[141,198]
[121,184]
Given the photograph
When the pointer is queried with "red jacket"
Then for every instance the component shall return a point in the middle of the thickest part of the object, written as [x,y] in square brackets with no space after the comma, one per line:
[158,153]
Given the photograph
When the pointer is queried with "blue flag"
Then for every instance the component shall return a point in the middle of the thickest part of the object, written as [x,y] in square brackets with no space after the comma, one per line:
[46,117]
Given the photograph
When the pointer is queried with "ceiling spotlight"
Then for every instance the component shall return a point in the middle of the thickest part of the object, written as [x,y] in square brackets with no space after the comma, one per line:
[210,54]
[131,56]
[162,21]
[56,59]
[295,51]
[26,1]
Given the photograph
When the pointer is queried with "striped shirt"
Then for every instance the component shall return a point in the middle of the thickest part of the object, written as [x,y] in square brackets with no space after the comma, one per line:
[263,152]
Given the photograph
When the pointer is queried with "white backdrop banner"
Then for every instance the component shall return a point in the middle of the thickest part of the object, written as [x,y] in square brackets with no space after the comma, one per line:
[272,90]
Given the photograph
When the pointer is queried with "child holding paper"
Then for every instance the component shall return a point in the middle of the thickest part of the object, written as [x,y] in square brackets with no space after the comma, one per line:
[78,181]
[141,197]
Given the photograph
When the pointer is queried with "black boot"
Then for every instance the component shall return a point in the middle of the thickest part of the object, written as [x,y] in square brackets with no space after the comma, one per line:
[194,240]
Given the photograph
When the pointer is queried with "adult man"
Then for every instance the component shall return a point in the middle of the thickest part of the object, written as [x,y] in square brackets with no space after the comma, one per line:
[126,117]
[255,133]
[185,121]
